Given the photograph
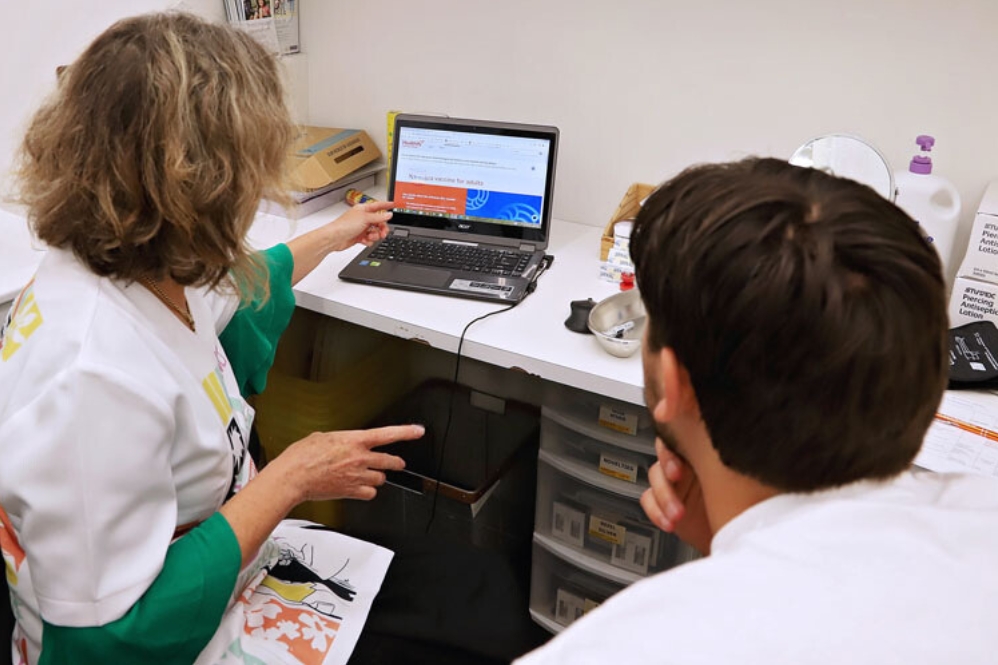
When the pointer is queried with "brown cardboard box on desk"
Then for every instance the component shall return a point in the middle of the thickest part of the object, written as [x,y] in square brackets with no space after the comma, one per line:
[628,208]
[323,163]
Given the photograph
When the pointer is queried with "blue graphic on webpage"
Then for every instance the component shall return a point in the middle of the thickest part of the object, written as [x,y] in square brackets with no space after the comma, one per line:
[518,208]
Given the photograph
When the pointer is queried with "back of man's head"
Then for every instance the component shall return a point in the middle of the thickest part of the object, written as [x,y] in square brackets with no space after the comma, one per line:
[809,313]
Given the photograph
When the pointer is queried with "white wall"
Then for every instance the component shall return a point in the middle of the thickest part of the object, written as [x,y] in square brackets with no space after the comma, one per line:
[642,88]
[49,33]
[42,35]
[639,88]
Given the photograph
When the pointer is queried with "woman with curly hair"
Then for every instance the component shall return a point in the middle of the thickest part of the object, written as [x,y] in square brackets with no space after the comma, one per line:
[132,520]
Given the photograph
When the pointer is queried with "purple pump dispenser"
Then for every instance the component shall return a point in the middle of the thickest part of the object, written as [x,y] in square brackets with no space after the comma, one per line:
[922,164]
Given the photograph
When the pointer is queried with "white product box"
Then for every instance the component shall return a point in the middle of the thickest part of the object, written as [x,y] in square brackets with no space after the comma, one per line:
[973,300]
[981,259]
[568,607]
[568,524]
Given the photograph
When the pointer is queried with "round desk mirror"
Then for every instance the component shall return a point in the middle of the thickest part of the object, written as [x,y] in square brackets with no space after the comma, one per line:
[848,157]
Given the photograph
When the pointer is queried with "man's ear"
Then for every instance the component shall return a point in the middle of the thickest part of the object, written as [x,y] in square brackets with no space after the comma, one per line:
[675,391]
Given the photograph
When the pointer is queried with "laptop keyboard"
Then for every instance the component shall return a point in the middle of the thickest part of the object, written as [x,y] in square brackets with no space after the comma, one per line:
[451,256]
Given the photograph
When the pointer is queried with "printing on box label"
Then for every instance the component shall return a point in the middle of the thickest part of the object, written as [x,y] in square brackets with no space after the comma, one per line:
[618,468]
[635,553]
[618,420]
[609,272]
[981,258]
[973,301]
[620,255]
[568,524]
[568,607]
[989,237]
[606,530]
[978,303]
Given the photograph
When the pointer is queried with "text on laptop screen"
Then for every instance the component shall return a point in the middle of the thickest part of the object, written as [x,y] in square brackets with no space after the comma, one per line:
[471,176]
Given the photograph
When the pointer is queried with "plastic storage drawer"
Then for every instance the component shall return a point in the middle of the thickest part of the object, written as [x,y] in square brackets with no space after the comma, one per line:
[604,413]
[567,438]
[597,528]
[562,592]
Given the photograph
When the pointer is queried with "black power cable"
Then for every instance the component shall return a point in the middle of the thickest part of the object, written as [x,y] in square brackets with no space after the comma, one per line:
[531,287]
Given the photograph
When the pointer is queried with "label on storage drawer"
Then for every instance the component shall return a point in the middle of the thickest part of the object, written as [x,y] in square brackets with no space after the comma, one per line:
[568,524]
[615,418]
[606,530]
[634,554]
[618,468]
[568,607]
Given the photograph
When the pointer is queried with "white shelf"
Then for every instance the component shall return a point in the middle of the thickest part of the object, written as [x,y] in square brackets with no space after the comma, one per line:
[546,622]
[585,562]
[585,427]
[590,476]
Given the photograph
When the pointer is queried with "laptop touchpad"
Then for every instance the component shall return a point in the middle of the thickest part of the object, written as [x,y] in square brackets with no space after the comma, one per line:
[420,276]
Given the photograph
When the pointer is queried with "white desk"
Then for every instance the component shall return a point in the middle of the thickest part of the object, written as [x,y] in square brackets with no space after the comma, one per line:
[531,337]
[19,256]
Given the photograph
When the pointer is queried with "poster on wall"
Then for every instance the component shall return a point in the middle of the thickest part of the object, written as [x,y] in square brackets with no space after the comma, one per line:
[274,23]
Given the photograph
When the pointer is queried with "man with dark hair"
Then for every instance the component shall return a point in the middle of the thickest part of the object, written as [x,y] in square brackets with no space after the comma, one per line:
[794,358]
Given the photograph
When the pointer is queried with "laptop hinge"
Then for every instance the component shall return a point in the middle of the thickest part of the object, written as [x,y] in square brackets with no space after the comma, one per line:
[402,233]
[526,247]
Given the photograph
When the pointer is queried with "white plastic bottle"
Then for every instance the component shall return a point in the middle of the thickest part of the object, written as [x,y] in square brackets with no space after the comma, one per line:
[930,200]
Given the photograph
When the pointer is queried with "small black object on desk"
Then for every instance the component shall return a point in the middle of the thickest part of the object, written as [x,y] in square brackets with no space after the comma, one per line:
[578,320]
[973,356]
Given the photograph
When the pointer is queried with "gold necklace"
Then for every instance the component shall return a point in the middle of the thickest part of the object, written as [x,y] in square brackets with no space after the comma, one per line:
[184,314]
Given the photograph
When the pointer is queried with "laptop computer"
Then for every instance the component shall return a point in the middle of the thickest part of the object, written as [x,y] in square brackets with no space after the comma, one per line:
[472,211]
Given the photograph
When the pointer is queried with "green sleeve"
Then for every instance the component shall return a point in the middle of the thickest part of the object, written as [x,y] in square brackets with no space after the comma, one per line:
[250,338]
[175,618]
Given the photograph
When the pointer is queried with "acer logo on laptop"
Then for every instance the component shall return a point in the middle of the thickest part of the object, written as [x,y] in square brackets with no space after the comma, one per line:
[464,227]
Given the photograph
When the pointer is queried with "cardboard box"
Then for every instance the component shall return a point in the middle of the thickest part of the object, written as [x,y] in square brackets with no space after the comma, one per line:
[973,300]
[628,208]
[981,259]
[307,203]
[321,156]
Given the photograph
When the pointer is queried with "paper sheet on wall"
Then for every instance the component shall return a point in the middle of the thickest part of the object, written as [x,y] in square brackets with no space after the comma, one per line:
[273,23]
[964,435]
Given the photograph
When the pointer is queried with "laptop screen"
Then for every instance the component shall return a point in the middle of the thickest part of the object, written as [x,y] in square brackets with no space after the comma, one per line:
[468,176]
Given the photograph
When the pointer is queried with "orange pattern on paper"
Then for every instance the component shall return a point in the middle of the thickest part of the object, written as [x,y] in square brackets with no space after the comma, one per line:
[308,635]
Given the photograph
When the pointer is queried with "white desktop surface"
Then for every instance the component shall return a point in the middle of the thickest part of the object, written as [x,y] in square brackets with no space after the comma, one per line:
[531,337]
[20,255]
